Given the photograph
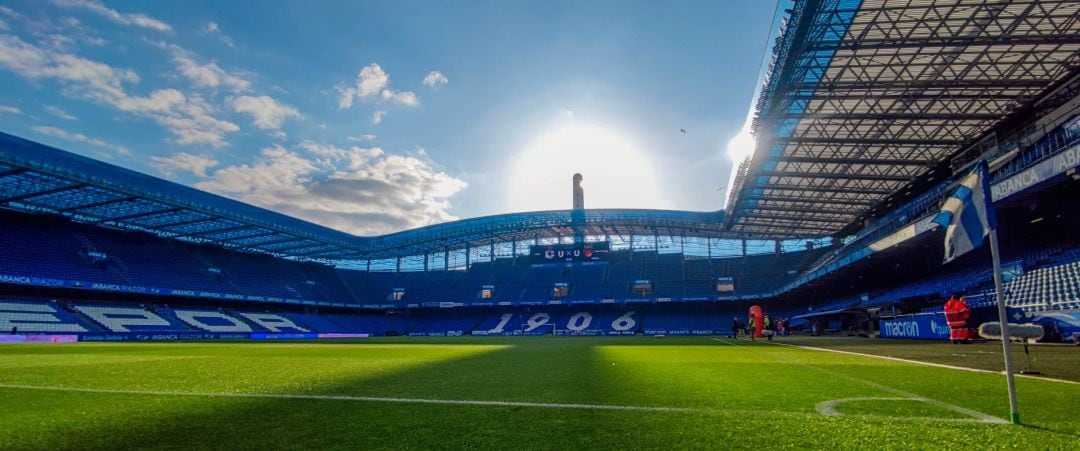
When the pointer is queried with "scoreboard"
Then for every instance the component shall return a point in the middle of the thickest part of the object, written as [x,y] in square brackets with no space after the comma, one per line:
[577,252]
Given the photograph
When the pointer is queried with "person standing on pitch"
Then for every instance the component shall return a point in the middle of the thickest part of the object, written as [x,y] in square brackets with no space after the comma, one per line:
[751,327]
[734,328]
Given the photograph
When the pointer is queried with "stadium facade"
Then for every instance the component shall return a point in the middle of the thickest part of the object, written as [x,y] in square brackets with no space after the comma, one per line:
[869,115]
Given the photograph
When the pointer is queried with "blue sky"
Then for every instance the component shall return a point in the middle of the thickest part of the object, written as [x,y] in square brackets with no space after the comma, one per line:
[374,117]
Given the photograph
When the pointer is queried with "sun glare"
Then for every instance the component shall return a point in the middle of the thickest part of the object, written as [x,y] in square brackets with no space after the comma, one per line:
[741,146]
[617,174]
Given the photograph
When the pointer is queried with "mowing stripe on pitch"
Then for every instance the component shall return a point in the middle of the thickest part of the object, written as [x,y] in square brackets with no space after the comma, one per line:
[458,402]
[455,402]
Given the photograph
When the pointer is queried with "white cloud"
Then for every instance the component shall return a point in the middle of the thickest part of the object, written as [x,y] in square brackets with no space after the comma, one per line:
[214,29]
[207,75]
[278,171]
[5,109]
[56,111]
[434,78]
[34,62]
[345,96]
[189,118]
[377,116]
[71,29]
[365,137]
[183,161]
[79,137]
[56,33]
[407,98]
[359,190]
[136,19]
[348,157]
[373,83]
[268,114]
[371,80]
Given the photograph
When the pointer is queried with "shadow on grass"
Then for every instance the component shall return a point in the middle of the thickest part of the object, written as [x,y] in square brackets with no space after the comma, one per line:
[548,370]
[538,371]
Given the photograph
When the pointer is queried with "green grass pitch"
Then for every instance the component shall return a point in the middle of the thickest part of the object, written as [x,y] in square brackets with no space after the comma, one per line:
[510,393]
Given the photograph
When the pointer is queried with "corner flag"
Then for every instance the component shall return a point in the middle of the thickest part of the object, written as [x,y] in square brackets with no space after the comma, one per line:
[968,215]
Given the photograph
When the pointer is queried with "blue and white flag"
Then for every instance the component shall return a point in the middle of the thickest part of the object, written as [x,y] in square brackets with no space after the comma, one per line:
[968,214]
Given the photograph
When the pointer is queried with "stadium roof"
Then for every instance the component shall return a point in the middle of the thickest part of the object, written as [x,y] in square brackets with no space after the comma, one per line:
[865,97]
[39,178]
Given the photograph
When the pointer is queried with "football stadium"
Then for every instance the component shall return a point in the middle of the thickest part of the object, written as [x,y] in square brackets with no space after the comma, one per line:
[915,176]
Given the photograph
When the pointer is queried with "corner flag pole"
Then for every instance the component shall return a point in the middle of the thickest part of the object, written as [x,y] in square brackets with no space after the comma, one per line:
[1003,316]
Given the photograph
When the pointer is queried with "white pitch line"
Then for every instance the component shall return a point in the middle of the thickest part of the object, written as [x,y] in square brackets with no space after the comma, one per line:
[828,408]
[459,402]
[454,402]
[917,362]
[722,341]
[896,391]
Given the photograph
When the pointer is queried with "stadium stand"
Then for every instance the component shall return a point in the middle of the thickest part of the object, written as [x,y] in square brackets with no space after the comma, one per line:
[651,319]
[127,319]
[1054,287]
[38,317]
[117,240]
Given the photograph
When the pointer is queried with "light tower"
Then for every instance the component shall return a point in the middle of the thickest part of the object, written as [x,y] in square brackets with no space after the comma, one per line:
[579,193]
[577,215]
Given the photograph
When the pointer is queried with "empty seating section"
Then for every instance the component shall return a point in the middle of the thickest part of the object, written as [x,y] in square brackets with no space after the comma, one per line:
[760,273]
[356,323]
[95,318]
[689,320]
[665,272]
[1048,288]
[129,319]
[625,270]
[457,324]
[206,320]
[542,276]
[263,276]
[138,258]
[38,317]
[327,283]
[46,249]
[942,286]
[665,267]
[316,323]
[1051,281]
[664,323]
[53,248]
[356,283]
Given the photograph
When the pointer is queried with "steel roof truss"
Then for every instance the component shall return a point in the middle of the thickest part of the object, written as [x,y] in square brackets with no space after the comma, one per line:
[121,219]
